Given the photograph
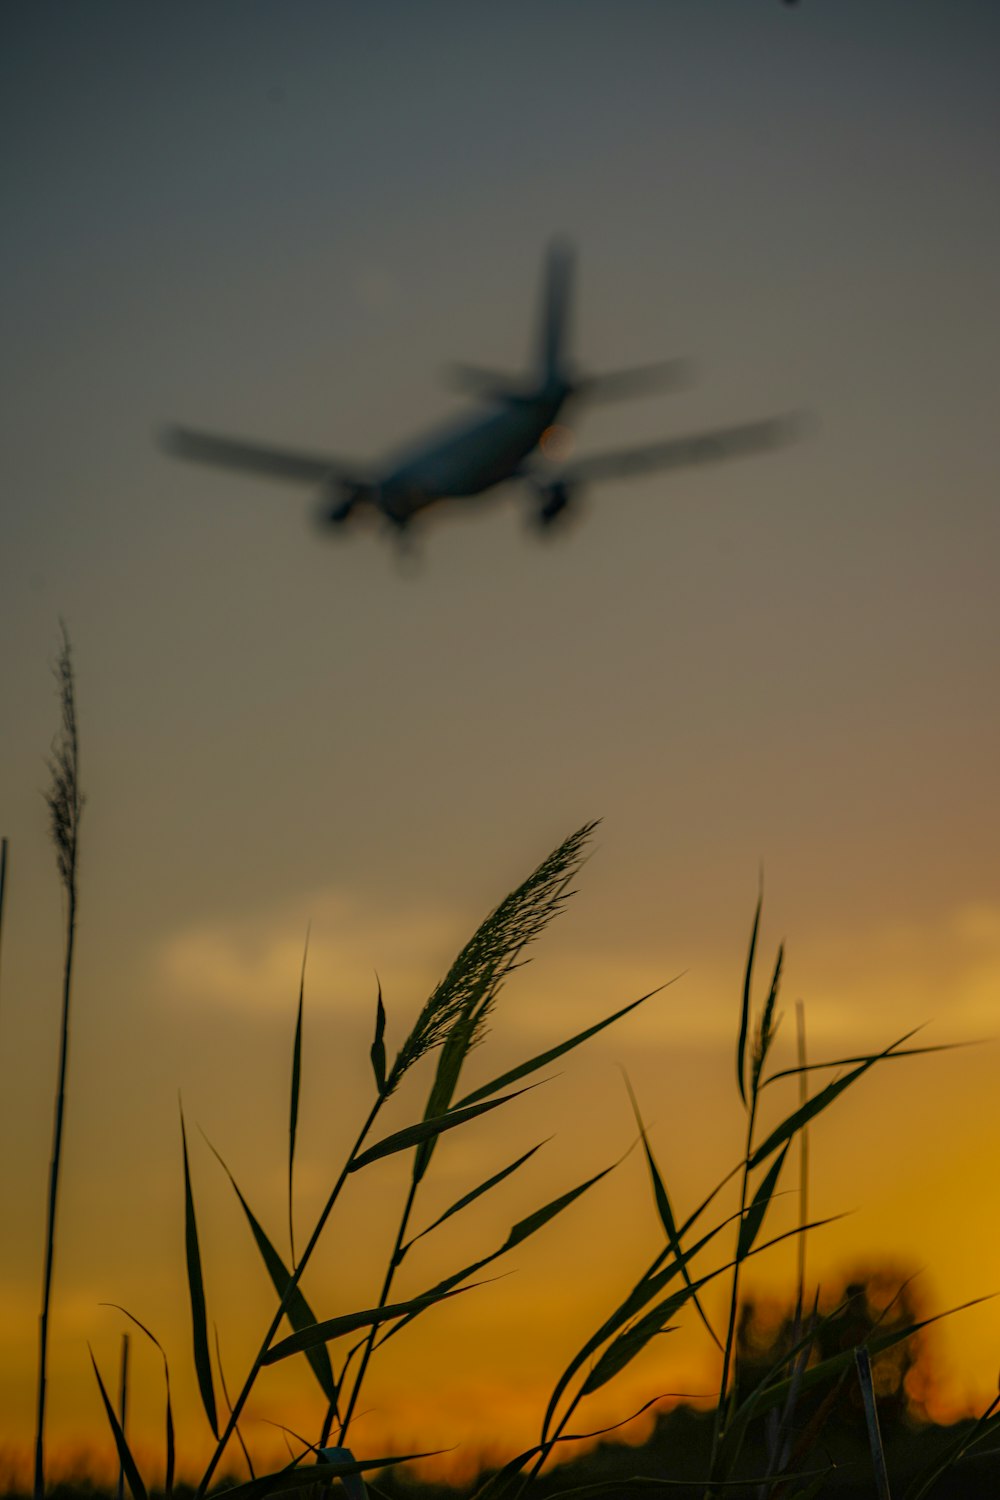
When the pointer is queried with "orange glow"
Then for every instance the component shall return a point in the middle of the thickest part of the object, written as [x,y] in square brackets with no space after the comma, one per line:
[556,442]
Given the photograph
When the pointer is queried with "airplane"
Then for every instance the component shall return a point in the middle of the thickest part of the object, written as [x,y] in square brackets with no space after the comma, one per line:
[519,437]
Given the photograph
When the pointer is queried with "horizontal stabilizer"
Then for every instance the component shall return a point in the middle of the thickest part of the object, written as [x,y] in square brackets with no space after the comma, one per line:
[490,385]
[619,385]
[253,458]
[711,446]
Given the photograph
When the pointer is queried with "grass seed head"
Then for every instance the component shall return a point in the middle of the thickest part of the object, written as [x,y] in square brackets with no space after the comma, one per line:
[458,1009]
[64,798]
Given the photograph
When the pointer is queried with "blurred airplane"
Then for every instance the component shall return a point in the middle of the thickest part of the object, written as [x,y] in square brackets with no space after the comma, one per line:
[518,438]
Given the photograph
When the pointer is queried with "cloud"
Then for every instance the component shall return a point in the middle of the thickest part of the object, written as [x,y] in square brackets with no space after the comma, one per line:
[253,963]
[860,987]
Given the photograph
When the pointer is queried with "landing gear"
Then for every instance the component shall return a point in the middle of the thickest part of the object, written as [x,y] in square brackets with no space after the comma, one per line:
[555,500]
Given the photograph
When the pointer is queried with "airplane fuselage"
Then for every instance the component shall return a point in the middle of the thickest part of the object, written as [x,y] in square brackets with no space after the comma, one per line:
[469,458]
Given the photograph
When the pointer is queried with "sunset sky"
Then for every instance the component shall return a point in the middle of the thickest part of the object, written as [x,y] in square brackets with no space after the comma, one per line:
[283,221]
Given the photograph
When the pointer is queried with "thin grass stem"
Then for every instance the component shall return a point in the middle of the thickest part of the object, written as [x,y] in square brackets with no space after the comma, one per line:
[366,1353]
[65,803]
[123,1408]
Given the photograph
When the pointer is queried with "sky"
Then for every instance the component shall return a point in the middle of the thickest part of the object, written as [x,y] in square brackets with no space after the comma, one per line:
[284,222]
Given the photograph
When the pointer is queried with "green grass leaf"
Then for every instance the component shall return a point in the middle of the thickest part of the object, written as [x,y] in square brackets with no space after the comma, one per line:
[543,1058]
[300,1315]
[170,1456]
[293,1114]
[762,1400]
[846,1062]
[754,1216]
[335,1328]
[425,1130]
[378,1045]
[768,1025]
[649,1285]
[862,1360]
[741,1045]
[984,1427]
[666,1213]
[451,1060]
[470,1197]
[533,1222]
[634,1339]
[128,1463]
[298,1475]
[521,1231]
[196,1291]
[814,1106]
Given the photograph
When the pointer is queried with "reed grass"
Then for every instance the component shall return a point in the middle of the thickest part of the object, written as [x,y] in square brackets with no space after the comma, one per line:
[699,1249]
[64,799]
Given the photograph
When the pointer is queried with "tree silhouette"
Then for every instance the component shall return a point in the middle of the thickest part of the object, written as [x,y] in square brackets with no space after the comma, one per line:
[872,1300]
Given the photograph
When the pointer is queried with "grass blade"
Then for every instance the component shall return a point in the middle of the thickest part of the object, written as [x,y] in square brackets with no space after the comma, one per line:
[814,1106]
[741,1045]
[543,1058]
[335,1328]
[520,1232]
[168,1483]
[125,1458]
[864,1367]
[378,1045]
[513,1467]
[123,1409]
[299,1476]
[754,1216]
[229,1405]
[470,1197]
[647,1287]
[666,1213]
[439,1101]
[196,1290]
[293,1114]
[300,1315]
[634,1339]
[531,1224]
[846,1062]
[984,1427]
[763,1400]
[425,1130]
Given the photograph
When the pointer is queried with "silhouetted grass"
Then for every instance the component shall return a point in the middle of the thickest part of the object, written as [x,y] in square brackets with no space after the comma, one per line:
[699,1248]
[65,803]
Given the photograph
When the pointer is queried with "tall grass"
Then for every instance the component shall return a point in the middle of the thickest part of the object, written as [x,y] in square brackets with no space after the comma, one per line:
[65,803]
[700,1248]
[451,1023]
[690,1261]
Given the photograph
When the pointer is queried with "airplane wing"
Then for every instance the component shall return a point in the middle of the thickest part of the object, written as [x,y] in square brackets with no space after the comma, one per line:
[254,458]
[714,444]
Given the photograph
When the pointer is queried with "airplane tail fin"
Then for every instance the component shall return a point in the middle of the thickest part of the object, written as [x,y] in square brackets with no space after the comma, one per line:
[553,331]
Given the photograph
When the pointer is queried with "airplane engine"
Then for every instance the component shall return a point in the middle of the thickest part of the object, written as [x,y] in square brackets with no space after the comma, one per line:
[557,504]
